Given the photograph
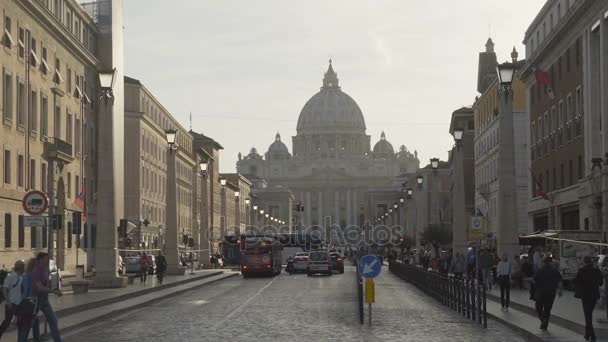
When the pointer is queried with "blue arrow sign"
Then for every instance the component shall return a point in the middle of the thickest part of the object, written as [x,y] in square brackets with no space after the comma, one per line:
[369,266]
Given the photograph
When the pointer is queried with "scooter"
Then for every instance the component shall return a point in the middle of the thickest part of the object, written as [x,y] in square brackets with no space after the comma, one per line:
[290,267]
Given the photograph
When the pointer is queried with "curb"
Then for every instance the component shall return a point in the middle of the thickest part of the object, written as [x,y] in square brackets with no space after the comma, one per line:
[527,334]
[122,311]
[112,300]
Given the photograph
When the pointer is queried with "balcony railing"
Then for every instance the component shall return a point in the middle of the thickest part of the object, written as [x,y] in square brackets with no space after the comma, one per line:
[58,149]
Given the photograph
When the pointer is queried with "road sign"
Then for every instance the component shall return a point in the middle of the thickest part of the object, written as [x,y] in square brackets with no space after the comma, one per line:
[369,266]
[35,203]
[370,294]
[477,229]
[34,221]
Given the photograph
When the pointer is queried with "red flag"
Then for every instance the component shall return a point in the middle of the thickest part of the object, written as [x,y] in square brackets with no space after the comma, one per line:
[539,188]
[542,77]
[81,202]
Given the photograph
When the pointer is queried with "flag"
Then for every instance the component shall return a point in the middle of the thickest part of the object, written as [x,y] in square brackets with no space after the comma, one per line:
[542,77]
[478,212]
[539,188]
[81,202]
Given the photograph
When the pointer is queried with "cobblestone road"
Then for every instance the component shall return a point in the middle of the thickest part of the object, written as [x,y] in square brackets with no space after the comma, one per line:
[293,308]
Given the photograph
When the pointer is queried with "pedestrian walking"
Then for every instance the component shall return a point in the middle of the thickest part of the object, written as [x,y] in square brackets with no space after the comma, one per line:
[537,259]
[503,272]
[486,262]
[161,267]
[41,290]
[458,265]
[12,292]
[587,284]
[548,283]
[27,310]
[516,273]
[143,267]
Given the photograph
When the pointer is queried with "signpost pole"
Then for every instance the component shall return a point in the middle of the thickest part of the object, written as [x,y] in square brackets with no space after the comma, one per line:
[370,314]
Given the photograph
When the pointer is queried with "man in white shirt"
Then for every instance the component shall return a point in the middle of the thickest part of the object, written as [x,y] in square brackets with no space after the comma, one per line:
[12,293]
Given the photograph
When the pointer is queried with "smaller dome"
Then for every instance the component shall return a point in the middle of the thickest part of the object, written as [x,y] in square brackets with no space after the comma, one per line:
[383,146]
[253,154]
[277,149]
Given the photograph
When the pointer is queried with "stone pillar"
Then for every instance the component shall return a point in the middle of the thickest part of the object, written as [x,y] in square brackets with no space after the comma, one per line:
[320,207]
[171,226]
[460,219]
[507,209]
[349,208]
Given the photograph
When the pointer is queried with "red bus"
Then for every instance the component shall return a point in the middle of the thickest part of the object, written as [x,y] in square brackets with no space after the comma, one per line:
[261,255]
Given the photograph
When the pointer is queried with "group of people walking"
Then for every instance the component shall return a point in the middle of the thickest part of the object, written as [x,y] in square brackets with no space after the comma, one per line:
[26,290]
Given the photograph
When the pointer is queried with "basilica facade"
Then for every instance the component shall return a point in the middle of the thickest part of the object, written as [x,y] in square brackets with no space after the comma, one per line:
[332,168]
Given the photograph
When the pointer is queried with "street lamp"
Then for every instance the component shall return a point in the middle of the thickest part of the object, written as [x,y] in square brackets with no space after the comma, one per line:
[434,163]
[247,200]
[255,207]
[395,205]
[390,210]
[458,133]
[106,83]
[170,135]
[410,192]
[237,194]
[262,212]
[223,181]
[419,180]
[505,73]
[203,165]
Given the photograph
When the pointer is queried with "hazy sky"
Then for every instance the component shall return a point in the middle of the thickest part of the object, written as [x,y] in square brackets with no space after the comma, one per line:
[245,68]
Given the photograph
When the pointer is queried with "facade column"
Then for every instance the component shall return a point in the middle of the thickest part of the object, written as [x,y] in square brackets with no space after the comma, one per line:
[320,207]
[349,216]
[171,225]
[506,207]
[460,220]
[308,210]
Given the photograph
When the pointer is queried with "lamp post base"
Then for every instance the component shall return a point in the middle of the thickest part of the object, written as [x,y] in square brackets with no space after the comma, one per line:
[176,270]
[109,280]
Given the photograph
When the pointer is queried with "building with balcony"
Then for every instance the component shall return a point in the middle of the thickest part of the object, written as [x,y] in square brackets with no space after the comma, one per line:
[48,132]
[563,41]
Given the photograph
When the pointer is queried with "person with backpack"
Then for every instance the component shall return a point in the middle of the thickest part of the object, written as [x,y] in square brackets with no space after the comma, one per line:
[161,267]
[11,289]
[27,310]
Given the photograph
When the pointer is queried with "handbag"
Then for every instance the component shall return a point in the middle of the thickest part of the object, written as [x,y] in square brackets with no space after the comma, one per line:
[26,308]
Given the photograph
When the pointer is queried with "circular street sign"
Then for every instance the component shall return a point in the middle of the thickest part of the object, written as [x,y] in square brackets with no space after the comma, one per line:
[35,203]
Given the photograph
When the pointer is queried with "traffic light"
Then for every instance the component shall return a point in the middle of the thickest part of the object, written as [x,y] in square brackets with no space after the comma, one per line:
[76,222]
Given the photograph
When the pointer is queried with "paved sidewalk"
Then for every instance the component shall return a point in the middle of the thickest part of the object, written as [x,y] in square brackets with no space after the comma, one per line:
[567,310]
[78,309]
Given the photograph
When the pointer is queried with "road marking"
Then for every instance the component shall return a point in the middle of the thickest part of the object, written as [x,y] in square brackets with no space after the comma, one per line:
[242,306]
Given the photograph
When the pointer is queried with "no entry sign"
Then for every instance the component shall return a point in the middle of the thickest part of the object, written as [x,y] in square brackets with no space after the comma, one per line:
[35,203]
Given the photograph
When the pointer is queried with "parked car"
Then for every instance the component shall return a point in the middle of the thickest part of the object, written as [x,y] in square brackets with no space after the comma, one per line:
[300,263]
[319,262]
[132,264]
[337,262]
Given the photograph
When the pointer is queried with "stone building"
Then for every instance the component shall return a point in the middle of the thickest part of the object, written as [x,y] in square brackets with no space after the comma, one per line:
[49,62]
[333,163]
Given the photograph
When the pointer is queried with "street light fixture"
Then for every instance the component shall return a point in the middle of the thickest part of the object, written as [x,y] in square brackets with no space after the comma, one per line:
[435,163]
[106,82]
[410,192]
[203,165]
[402,200]
[395,205]
[223,181]
[255,207]
[505,73]
[171,134]
[419,180]
[458,133]
[237,194]
[267,215]
[247,200]
[262,212]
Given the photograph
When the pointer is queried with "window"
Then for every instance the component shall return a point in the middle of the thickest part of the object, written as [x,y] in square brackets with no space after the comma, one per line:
[33,56]
[77,186]
[69,232]
[69,193]
[21,232]
[57,122]
[553,119]
[44,237]
[579,101]
[541,128]
[578,52]
[533,133]
[568,60]
[32,174]
[547,126]
[77,136]
[44,66]
[33,237]
[561,114]
[561,175]
[547,181]
[85,238]
[68,83]
[44,116]
[33,117]
[43,176]
[7,101]
[580,167]
[554,179]
[7,40]
[7,167]
[93,235]
[20,103]
[569,108]
[559,68]
[570,173]
[21,43]
[68,127]
[8,230]
[20,170]
[532,94]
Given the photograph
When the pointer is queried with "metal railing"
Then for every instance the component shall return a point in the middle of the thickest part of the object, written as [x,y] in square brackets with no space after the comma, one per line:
[55,145]
[465,296]
[359,294]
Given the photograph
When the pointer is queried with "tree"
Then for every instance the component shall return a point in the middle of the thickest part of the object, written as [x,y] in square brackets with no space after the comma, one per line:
[438,235]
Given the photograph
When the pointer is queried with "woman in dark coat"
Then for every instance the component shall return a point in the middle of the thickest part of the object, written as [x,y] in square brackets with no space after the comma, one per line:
[588,281]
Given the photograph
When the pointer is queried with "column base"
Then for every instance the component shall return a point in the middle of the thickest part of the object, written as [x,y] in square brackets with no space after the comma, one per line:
[108,280]
[176,270]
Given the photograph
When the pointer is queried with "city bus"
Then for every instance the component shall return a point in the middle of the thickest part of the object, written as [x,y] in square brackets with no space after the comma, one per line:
[261,256]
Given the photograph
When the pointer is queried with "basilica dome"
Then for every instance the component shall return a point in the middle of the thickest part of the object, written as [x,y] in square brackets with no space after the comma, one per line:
[277,149]
[383,147]
[331,110]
